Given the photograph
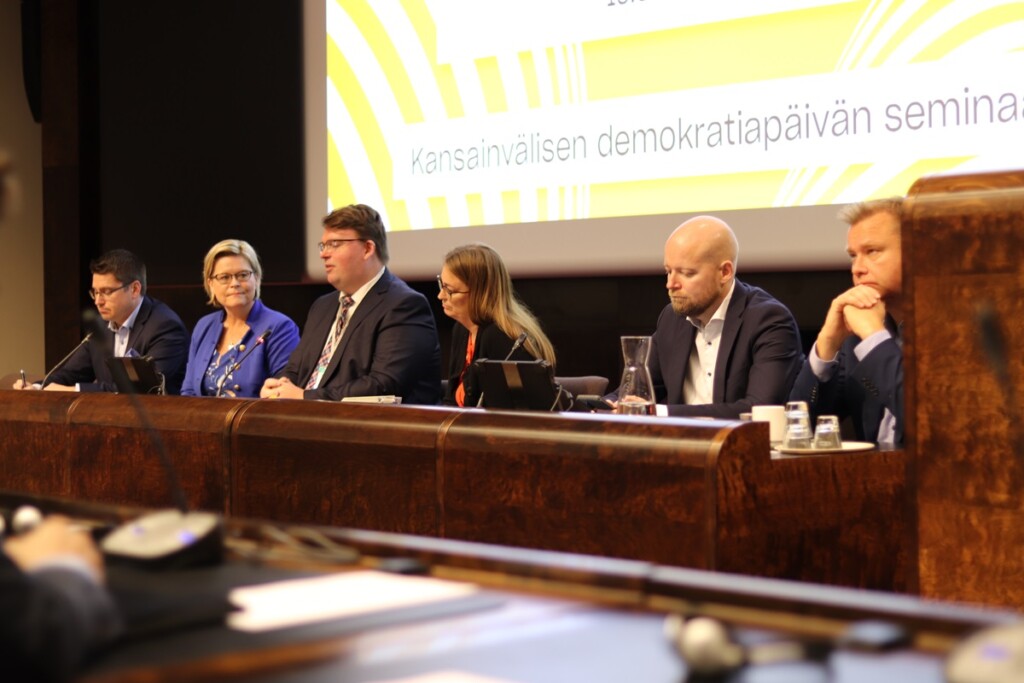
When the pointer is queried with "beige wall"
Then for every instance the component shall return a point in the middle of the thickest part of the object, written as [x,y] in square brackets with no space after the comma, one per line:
[21,235]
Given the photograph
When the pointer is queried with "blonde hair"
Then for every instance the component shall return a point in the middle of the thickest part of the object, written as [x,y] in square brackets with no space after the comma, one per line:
[855,213]
[492,298]
[230,248]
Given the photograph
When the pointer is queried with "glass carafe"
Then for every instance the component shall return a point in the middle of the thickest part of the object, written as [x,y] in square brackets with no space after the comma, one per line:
[636,391]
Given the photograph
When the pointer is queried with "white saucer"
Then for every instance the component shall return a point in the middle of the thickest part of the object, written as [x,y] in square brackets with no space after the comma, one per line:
[848,447]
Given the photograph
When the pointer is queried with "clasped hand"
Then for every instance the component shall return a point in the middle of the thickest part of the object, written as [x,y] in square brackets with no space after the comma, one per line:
[859,310]
[280,387]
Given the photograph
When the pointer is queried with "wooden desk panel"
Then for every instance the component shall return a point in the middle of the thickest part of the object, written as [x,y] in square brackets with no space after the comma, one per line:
[604,485]
[692,493]
[964,255]
[839,519]
[113,457]
[34,441]
[364,466]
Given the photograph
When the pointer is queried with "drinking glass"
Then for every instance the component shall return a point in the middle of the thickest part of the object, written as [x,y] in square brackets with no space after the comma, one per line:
[826,432]
[798,426]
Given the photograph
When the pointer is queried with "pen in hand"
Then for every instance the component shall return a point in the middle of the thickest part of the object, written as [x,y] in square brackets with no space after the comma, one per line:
[24,380]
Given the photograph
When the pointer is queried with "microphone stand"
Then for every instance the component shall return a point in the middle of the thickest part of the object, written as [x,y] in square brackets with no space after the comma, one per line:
[520,340]
[238,363]
[65,359]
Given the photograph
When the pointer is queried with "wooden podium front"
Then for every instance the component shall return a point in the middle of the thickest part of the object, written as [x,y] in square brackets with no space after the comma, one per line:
[963,281]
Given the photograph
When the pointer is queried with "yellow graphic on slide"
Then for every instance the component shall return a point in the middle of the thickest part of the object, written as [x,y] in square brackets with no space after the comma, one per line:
[450,113]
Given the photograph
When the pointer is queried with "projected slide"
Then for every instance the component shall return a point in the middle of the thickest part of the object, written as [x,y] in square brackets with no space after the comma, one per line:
[448,113]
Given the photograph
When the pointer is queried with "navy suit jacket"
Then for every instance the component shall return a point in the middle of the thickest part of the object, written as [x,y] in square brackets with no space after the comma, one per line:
[266,360]
[861,390]
[52,620]
[759,356]
[158,332]
[390,347]
[491,343]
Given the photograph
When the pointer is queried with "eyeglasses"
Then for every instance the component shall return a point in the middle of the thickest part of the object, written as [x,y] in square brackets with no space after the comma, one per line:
[331,245]
[448,290]
[105,292]
[226,278]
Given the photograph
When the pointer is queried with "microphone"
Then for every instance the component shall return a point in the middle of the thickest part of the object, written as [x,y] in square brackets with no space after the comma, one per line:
[65,359]
[238,363]
[520,340]
[165,538]
[993,341]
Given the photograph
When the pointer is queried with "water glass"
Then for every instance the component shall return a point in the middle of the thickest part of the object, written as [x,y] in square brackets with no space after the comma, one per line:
[826,432]
[798,426]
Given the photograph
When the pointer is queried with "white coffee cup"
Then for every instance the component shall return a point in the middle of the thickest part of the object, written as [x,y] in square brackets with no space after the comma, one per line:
[775,416]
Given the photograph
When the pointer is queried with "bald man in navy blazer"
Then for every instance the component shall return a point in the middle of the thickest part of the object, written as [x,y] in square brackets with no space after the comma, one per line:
[375,336]
[721,346]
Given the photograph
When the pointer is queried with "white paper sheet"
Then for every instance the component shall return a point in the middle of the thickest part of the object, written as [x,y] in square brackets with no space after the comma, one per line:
[333,596]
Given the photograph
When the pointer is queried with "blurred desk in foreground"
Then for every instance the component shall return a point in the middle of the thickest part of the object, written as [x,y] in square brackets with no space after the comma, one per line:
[694,493]
[555,617]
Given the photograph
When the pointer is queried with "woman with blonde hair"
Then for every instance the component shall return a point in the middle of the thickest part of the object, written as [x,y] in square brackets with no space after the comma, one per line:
[476,291]
[221,357]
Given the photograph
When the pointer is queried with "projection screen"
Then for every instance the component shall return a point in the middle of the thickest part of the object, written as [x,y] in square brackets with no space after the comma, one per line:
[573,135]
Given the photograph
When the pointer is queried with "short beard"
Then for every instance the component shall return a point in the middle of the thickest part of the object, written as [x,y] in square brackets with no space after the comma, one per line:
[689,308]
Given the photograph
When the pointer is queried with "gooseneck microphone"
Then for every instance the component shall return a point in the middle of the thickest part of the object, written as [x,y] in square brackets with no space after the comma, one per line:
[993,341]
[520,340]
[65,359]
[166,538]
[238,363]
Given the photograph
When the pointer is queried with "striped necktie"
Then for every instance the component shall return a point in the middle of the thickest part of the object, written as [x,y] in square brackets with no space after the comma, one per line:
[330,344]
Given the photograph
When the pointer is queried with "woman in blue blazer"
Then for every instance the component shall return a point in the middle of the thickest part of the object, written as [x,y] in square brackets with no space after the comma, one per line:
[235,349]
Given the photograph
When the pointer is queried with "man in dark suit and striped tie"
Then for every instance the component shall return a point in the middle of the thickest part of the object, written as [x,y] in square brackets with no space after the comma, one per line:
[375,336]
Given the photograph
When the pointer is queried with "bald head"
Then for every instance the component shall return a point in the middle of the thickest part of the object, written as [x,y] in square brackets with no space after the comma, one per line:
[705,238]
[700,264]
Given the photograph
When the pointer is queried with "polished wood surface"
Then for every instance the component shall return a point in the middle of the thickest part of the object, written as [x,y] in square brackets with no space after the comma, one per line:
[116,447]
[552,616]
[963,257]
[34,439]
[694,493]
[326,463]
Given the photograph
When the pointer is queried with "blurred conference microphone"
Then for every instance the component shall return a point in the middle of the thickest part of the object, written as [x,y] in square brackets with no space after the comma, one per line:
[993,342]
[170,538]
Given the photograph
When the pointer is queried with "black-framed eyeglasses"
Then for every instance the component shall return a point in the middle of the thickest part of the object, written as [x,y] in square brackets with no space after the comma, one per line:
[448,290]
[105,292]
[226,278]
[331,245]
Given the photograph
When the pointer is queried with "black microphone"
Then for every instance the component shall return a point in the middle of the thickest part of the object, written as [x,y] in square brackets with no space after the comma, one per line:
[238,363]
[65,359]
[520,340]
[993,341]
[172,537]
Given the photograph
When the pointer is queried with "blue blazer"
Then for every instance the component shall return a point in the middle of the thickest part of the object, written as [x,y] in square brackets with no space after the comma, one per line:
[389,347]
[759,356]
[265,361]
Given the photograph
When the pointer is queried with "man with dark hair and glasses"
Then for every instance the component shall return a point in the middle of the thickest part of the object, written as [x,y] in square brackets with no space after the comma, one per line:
[375,336]
[139,326]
